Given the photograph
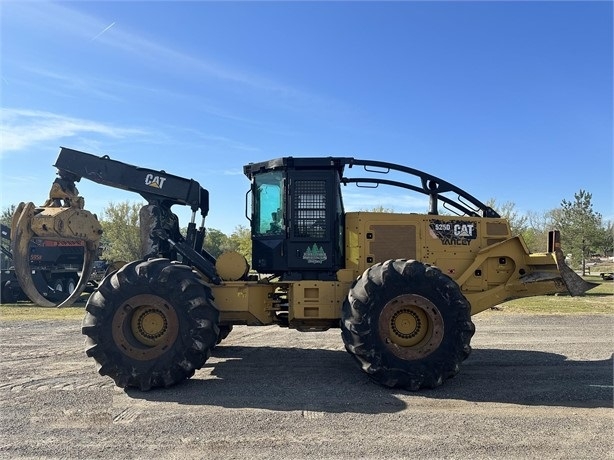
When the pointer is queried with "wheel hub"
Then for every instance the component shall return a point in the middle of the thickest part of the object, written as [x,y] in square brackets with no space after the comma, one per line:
[405,324]
[411,326]
[145,326]
[149,324]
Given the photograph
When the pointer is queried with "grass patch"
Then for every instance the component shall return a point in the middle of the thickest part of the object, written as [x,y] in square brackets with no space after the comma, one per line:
[601,267]
[30,312]
[599,300]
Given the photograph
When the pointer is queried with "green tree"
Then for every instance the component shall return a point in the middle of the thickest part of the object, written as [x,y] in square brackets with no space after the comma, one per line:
[121,238]
[535,234]
[605,240]
[582,230]
[241,241]
[532,226]
[518,221]
[381,208]
[7,215]
[216,242]
[5,218]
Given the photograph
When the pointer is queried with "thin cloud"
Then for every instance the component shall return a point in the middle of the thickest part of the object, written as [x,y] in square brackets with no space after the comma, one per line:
[68,21]
[24,128]
[103,31]
[70,84]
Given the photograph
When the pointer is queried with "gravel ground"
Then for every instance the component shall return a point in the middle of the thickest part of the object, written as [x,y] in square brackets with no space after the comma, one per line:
[534,387]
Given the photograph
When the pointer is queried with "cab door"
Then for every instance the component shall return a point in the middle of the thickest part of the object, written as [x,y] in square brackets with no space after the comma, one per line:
[313,221]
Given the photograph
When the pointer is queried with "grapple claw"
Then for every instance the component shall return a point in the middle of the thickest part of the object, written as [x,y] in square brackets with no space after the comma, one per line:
[21,231]
[57,222]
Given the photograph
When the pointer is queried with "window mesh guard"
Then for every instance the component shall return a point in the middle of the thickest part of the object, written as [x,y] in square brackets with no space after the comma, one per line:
[310,209]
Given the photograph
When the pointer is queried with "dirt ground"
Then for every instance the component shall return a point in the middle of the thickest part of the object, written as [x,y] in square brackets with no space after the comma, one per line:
[534,387]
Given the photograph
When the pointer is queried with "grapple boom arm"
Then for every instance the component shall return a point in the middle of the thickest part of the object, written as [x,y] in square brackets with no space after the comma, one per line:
[152,185]
[63,215]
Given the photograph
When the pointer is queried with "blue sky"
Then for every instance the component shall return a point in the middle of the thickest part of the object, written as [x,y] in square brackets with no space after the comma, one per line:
[507,100]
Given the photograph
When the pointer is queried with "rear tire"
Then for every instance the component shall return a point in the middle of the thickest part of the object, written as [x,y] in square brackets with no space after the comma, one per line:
[71,284]
[407,324]
[150,324]
[58,285]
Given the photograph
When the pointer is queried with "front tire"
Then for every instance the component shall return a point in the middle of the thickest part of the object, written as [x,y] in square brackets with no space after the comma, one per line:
[407,324]
[150,324]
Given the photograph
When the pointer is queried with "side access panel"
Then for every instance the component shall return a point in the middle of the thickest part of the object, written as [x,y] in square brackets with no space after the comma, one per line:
[449,242]
[316,305]
[247,303]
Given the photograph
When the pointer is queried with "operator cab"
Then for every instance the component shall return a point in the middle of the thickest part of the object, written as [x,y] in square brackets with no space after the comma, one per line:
[297,219]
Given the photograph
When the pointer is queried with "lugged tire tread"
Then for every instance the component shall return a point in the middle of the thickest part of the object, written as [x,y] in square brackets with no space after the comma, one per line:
[361,309]
[193,304]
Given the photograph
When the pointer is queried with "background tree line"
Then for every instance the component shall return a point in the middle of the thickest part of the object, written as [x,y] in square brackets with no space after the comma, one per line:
[583,230]
[121,238]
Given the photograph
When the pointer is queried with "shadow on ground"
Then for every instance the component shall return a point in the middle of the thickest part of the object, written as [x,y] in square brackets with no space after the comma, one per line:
[329,381]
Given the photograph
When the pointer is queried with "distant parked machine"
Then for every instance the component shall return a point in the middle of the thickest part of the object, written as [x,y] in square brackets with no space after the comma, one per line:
[55,266]
[99,270]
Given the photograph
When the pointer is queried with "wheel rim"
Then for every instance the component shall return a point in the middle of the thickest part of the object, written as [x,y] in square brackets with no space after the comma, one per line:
[411,326]
[145,326]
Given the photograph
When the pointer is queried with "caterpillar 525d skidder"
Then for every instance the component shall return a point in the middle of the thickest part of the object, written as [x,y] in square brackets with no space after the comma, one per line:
[401,287]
